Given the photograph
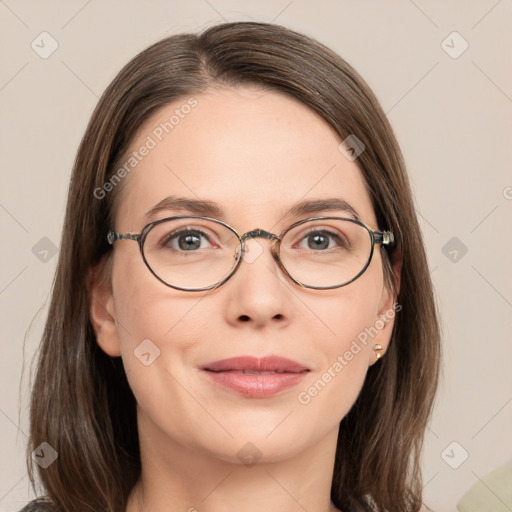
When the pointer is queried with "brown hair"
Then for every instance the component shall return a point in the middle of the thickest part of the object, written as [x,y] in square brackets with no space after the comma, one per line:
[82,404]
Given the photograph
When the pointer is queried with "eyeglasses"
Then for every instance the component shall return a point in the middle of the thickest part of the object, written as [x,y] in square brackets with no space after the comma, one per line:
[196,253]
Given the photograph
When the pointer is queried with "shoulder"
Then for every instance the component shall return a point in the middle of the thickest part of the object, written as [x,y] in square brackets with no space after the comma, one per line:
[39,505]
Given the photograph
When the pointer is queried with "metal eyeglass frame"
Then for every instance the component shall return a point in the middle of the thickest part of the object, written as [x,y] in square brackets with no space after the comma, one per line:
[376,237]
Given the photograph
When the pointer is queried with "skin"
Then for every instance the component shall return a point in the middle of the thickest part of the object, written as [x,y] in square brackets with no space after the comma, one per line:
[238,147]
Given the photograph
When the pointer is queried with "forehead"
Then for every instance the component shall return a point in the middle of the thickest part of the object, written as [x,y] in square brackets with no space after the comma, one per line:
[254,152]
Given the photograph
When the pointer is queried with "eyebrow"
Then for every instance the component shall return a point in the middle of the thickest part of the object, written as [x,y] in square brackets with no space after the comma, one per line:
[186,205]
[316,206]
[208,208]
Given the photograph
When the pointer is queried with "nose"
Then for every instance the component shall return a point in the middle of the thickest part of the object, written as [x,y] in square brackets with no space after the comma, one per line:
[258,294]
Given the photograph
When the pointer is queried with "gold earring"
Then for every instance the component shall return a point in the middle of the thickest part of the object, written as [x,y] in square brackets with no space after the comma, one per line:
[377,348]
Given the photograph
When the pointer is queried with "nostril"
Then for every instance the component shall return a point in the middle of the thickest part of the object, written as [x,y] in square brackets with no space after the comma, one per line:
[244,318]
[278,316]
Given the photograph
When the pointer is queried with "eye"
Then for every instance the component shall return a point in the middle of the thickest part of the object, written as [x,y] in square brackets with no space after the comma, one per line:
[189,240]
[322,239]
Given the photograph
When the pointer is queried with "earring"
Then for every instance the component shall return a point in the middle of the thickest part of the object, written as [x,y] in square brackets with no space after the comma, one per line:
[377,348]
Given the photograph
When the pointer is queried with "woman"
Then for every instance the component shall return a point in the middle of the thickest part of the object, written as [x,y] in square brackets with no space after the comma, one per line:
[242,316]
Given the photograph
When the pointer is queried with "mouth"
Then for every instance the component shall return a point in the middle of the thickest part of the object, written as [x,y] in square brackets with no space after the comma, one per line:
[251,364]
[254,377]
[249,372]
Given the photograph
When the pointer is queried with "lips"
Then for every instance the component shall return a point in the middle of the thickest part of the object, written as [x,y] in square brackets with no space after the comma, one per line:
[256,377]
[248,364]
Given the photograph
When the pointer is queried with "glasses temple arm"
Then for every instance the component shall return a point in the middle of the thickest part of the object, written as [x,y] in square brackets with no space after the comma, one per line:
[112,236]
[384,237]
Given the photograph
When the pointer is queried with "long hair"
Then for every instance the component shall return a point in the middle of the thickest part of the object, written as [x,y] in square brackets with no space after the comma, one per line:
[82,405]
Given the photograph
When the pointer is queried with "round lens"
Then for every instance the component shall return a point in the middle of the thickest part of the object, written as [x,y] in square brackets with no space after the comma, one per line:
[326,253]
[191,253]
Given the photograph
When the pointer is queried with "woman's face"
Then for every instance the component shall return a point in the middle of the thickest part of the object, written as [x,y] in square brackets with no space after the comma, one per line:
[255,154]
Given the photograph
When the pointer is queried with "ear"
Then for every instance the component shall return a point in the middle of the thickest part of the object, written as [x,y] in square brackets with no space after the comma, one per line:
[101,308]
[388,307]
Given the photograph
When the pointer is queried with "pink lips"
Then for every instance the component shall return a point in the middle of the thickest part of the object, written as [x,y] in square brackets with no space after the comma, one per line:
[256,377]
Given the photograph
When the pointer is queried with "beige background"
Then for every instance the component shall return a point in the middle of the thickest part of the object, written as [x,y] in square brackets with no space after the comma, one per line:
[453,119]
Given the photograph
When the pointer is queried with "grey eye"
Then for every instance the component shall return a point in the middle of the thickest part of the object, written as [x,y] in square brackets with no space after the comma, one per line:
[186,240]
[319,240]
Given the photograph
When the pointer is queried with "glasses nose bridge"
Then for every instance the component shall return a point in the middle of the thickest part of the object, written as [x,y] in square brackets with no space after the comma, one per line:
[258,233]
[261,233]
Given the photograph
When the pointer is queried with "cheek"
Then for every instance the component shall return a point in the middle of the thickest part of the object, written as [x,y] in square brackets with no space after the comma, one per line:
[350,313]
[350,317]
[145,307]
[151,317]
[163,331]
